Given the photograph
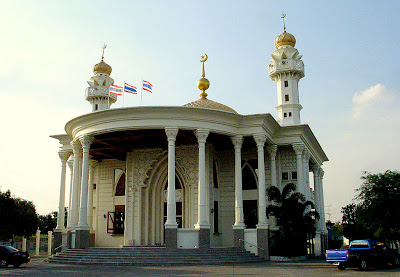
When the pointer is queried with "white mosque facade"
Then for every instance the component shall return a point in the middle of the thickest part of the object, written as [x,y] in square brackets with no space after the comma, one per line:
[192,176]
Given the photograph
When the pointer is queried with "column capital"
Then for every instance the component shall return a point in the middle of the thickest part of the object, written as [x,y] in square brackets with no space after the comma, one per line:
[260,139]
[86,141]
[315,169]
[64,155]
[321,172]
[76,146]
[298,148]
[272,150]
[306,154]
[202,134]
[237,141]
[171,133]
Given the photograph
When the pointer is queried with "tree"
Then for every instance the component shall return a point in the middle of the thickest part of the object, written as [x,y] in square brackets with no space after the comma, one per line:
[379,197]
[17,216]
[47,222]
[296,219]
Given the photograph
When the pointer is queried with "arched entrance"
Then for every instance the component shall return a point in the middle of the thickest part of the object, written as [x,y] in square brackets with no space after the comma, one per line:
[158,185]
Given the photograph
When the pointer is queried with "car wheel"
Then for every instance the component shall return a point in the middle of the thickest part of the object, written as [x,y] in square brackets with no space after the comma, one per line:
[17,265]
[363,265]
[396,262]
[3,263]
[341,266]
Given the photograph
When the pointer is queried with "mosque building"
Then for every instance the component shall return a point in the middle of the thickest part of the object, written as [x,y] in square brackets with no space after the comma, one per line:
[191,176]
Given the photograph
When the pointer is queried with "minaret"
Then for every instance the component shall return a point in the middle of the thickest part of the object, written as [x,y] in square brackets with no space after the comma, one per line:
[98,93]
[286,69]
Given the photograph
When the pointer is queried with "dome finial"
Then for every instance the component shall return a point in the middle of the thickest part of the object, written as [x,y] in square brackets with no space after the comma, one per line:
[104,47]
[283,19]
[203,84]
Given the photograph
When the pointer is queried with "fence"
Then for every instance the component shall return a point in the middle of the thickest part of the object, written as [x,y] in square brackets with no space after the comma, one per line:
[36,245]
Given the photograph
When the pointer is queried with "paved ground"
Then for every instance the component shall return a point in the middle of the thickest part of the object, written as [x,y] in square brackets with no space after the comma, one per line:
[38,267]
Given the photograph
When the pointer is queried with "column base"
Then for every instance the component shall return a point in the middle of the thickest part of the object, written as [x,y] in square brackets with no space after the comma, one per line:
[204,238]
[58,240]
[82,239]
[263,242]
[171,238]
[69,239]
[238,237]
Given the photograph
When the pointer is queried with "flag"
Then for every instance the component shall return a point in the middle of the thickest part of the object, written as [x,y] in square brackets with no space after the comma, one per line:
[117,90]
[130,89]
[147,86]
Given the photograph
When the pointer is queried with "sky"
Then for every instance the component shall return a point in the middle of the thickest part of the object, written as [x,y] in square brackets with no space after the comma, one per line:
[350,93]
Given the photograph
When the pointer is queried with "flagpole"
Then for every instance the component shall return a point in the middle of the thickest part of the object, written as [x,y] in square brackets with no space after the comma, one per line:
[108,97]
[123,96]
[141,94]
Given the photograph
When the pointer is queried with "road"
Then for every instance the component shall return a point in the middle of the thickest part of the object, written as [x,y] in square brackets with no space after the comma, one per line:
[38,267]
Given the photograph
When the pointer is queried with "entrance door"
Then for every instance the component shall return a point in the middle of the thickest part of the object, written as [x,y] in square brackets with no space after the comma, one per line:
[250,213]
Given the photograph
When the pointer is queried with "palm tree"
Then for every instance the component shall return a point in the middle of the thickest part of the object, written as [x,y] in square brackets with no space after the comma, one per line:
[296,220]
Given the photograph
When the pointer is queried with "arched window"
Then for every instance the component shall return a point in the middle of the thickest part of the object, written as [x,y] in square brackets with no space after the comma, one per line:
[249,177]
[120,188]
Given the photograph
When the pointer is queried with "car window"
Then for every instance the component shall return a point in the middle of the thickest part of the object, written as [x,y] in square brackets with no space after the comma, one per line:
[360,244]
[11,249]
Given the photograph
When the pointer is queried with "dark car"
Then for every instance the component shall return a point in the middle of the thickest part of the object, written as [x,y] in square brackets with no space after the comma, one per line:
[10,255]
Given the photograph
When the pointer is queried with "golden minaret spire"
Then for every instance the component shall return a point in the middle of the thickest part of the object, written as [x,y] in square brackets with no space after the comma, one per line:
[203,84]
[283,18]
[104,47]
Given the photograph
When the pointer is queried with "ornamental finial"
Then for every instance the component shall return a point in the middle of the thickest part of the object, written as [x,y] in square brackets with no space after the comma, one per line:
[203,84]
[104,47]
[283,19]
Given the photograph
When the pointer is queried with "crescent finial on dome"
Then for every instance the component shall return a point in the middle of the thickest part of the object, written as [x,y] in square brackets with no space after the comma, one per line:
[102,67]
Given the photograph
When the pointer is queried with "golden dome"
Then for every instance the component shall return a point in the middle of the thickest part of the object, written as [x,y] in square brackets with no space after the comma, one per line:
[102,67]
[285,39]
[208,104]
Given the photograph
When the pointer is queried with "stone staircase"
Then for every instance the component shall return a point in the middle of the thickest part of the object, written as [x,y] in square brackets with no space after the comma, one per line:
[153,256]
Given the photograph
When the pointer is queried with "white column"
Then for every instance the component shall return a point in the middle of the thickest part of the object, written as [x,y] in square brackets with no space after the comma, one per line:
[86,141]
[64,155]
[317,196]
[239,218]
[70,163]
[202,222]
[306,171]
[323,222]
[171,202]
[92,164]
[298,149]
[262,193]
[74,211]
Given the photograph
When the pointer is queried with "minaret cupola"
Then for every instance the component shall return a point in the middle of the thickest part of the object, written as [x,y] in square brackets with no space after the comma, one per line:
[286,69]
[98,91]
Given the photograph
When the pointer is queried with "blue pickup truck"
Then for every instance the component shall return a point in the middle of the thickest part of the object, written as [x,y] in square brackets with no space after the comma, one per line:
[363,254]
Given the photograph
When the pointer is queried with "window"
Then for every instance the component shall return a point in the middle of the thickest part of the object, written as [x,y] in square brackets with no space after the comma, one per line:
[290,114]
[215,176]
[120,188]
[249,180]
[286,97]
[216,223]
[294,175]
[286,84]
[285,115]
[115,220]
[96,107]
[285,176]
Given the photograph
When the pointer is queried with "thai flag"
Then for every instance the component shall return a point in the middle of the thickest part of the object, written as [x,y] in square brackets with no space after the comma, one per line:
[147,86]
[117,90]
[130,89]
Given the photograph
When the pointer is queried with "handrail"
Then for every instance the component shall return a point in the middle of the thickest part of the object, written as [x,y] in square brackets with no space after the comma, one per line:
[58,247]
[252,244]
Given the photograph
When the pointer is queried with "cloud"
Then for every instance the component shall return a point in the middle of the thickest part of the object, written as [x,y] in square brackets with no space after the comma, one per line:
[371,97]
